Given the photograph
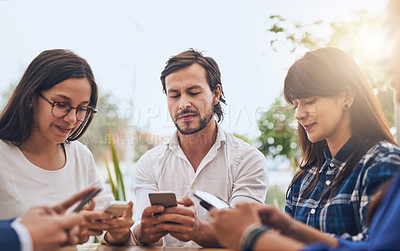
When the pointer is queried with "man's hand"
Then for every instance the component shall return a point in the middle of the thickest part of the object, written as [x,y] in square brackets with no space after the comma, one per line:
[180,221]
[48,230]
[230,224]
[147,232]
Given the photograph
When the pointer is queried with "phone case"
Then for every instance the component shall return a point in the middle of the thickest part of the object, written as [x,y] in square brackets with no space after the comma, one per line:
[116,209]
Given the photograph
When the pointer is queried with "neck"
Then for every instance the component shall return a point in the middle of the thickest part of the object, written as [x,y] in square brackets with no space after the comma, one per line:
[35,147]
[341,135]
[46,155]
[196,146]
[337,143]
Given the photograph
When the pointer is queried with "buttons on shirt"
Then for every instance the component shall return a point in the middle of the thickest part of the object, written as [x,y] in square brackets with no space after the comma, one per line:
[312,211]
[328,182]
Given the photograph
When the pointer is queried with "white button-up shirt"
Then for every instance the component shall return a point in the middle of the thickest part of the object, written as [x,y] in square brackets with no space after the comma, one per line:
[232,170]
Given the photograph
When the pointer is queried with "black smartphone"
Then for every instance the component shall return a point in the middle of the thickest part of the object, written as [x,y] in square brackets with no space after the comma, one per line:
[86,200]
[165,198]
[208,200]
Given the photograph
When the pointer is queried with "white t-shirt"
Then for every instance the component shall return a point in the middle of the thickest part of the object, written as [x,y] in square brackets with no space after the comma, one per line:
[232,170]
[24,185]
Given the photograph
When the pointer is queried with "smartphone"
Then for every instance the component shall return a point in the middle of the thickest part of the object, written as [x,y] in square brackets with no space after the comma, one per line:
[164,198]
[86,200]
[208,200]
[116,208]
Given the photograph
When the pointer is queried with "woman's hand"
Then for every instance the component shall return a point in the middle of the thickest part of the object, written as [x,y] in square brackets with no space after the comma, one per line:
[94,223]
[119,228]
[277,219]
[287,226]
[230,224]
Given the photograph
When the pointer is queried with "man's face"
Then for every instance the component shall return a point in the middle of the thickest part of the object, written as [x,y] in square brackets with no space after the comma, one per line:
[392,50]
[190,99]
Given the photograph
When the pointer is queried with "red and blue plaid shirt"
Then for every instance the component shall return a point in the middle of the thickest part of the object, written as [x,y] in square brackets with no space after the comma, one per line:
[344,213]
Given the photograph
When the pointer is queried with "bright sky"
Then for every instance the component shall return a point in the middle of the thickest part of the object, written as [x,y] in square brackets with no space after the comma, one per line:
[128,42]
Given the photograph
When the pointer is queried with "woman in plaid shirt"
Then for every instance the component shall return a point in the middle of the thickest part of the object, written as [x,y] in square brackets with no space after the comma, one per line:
[248,230]
[348,154]
[348,150]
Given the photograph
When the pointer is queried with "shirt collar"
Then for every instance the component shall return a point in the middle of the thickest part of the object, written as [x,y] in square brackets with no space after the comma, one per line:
[173,142]
[341,156]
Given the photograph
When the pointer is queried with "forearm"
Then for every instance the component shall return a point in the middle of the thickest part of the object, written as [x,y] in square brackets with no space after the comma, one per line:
[307,234]
[274,241]
[205,235]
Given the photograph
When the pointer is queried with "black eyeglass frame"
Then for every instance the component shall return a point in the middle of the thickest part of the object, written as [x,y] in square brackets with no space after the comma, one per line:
[92,110]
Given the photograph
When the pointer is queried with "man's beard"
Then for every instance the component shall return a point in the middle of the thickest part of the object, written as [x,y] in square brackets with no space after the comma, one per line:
[202,123]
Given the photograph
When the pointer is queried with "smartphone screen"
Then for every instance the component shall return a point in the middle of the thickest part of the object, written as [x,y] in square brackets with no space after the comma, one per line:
[86,200]
[208,200]
[166,199]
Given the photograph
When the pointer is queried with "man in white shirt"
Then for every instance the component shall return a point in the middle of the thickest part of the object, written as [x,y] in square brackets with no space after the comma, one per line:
[200,155]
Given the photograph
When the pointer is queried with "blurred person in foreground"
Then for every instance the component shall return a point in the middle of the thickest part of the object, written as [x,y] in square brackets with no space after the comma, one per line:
[43,228]
[199,155]
[256,227]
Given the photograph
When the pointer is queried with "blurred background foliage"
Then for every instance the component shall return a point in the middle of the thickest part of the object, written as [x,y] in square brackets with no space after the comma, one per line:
[356,36]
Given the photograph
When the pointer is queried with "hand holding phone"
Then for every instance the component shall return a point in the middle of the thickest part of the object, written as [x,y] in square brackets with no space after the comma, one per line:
[116,208]
[164,198]
[208,200]
[86,200]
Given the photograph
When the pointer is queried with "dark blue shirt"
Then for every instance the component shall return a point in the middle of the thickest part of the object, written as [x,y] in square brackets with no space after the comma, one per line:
[8,237]
[384,232]
[344,213]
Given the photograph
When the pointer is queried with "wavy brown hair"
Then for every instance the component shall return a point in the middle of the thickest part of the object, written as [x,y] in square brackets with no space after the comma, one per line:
[186,59]
[48,69]
[330,72]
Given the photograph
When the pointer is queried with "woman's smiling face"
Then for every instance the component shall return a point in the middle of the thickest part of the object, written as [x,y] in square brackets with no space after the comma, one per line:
[75,92]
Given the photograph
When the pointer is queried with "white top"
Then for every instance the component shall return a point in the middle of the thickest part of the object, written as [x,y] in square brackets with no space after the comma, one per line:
[232,170]
[24,185]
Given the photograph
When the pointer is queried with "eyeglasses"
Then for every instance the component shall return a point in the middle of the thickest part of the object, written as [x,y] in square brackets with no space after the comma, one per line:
[61,109]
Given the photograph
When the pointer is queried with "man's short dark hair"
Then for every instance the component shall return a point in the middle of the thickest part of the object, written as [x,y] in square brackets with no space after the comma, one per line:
[186,59]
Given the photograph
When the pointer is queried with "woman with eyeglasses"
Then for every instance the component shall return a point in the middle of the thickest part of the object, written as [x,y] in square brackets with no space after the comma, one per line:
[42,163]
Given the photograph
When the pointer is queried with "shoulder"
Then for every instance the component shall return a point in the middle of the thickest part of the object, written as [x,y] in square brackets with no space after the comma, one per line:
[236,143]
[381,161]
[244,157]
[8,152]
[156,152]
[240,146]
[381,150]
[153,155]
[6,145]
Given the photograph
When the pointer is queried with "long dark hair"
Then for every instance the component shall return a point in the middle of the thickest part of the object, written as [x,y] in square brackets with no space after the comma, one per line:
[186,59]
[48,69]
[329,72]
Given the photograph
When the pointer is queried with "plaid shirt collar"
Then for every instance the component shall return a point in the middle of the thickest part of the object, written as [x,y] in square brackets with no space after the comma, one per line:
[340,158]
